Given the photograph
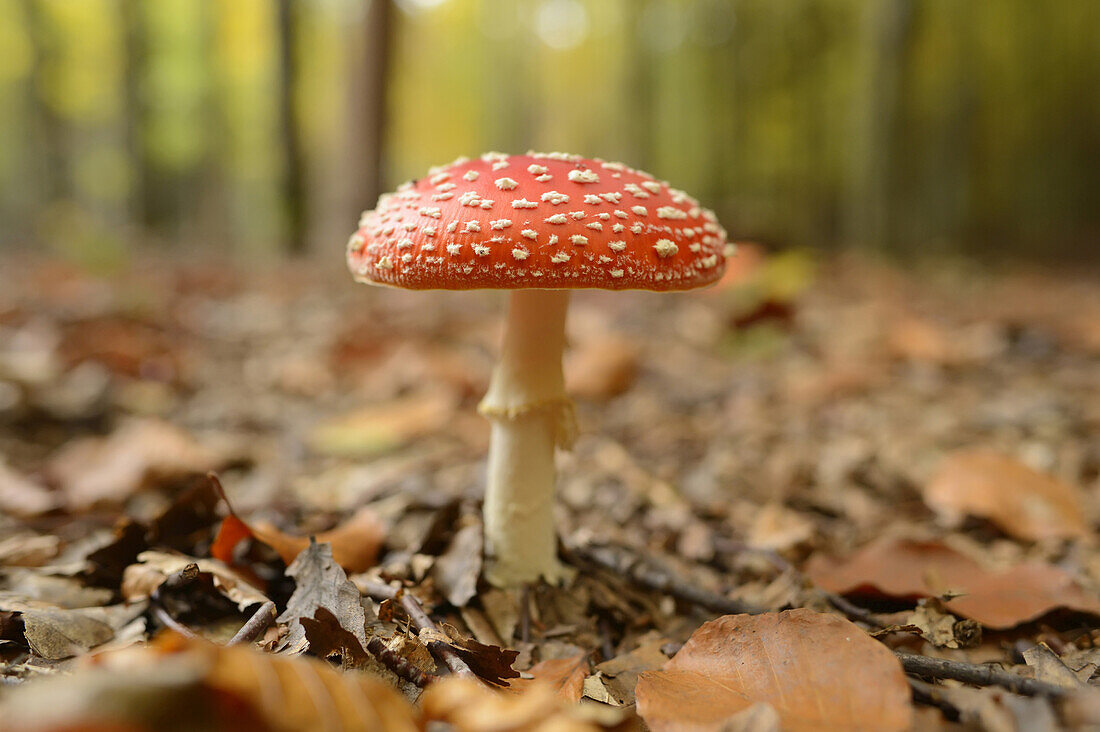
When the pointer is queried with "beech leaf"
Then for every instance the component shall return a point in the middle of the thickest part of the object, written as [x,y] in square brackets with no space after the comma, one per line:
[1021,501]
[909,569]
[817,671]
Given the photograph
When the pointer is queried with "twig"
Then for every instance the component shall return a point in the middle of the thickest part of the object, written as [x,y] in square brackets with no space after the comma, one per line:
[175,581]
[932,696]
[169,622]
[850,609]
[641,571]
[977,675]
[398,664]
[853,611]
[420,620]
[256,625]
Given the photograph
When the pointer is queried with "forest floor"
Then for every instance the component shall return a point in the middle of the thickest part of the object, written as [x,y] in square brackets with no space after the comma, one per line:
[832,494]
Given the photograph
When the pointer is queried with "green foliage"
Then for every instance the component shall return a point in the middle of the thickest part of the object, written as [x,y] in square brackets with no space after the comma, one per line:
[903,124]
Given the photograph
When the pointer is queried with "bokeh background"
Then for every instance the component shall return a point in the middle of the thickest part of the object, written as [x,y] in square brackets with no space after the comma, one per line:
[257,127]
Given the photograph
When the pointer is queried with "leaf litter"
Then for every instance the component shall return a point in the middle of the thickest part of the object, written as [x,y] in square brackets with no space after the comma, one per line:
[785,488]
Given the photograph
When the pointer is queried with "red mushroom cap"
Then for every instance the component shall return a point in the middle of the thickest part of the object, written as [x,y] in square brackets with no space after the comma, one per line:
[548,221]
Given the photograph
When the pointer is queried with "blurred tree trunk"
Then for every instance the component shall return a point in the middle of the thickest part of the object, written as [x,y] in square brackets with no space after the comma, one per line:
[134,115]
[886,33]
[293,193]
[49,130]
[362,172]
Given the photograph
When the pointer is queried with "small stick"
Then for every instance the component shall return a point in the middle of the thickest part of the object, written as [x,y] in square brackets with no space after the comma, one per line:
[841,603]
[398,664]
[175,581]
[257,624]
[420,620]
[169,622]
[977,675]
[932,696]
[642,572]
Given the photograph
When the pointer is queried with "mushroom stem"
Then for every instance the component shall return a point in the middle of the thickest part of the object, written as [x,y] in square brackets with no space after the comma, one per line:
[530,414]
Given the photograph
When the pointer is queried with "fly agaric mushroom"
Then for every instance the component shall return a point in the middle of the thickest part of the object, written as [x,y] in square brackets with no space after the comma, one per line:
[538,225]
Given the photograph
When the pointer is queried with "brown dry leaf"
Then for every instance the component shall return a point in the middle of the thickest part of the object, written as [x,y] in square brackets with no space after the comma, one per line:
[28,550]
[22,497]
[491,663]
[471,707]
[139,580]
[818,671]
[321,583]
[383,427]
[355,543]
[600,368]
[1023,502]
[620,674]
[191,684]
[921,339]
[457,569]
[564,675]
[909,569]
[778,528]
[108,470]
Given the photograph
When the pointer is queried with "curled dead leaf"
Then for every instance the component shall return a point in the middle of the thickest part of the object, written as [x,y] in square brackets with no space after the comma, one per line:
[909,569]
[564,675]
[469,706]
[1021,501]
[817,671]
[153,567]
[355,543]
[191,684]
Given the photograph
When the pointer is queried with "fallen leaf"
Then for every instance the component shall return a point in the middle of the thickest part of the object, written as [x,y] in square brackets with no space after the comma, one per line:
[600,368]
[153,567]
[776,527]
[381,428]
[467,706]
[934,625]
[28,550]
[564,675]
[108,470]
[1050,668]
[22,497]
[321,583]
[55,633]
[620,674]
[1023,502]
[457,569]
[818,671]
[176,683]
[491,663]
[908,569]
[355,543]
[327,638]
